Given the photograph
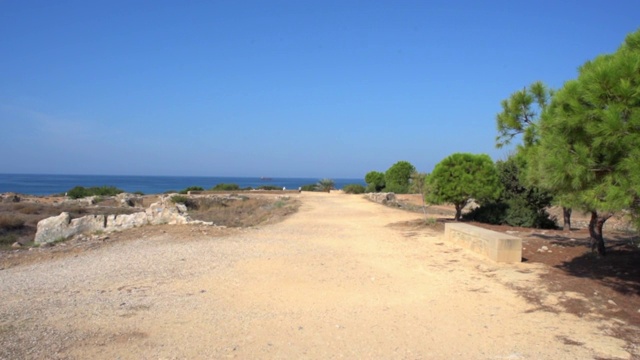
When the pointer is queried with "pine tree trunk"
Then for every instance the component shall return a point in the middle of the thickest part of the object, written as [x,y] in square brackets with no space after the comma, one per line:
[459,211]
[566,214]
[596,223]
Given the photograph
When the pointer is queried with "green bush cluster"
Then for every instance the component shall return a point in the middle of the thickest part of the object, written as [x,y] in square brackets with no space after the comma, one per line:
[225,187]
[353,189]
[396,179]
[185,200]
[191,188]
[79,192]
[518,204]
[309,187]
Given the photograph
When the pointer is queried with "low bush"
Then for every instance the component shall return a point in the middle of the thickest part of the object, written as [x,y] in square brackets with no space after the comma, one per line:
[225,187]
[491,213]
[191,188]
[179,199]
[309,187]
[79,192]
[353,189]
[8,239]
[514,212]
[10,222]
[396,188]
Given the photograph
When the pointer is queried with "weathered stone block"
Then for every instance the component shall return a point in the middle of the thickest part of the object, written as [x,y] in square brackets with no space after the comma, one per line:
[496,246]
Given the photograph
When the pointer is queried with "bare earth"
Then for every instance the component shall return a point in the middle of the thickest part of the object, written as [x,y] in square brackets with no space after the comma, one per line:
[342,278]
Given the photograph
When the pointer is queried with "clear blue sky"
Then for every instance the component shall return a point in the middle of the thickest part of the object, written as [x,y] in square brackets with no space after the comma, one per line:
[277,88]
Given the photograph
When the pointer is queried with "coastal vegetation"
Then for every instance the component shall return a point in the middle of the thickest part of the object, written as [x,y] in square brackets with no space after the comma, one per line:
[191,188]
[225,187]
[396,179]
[325,185]
[79,192]
[353,189]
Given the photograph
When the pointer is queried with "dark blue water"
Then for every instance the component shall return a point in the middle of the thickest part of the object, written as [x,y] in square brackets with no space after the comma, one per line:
[56,184]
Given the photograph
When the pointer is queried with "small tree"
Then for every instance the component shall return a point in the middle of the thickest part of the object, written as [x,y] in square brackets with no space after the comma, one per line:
[325,185]
[375,181]
[419,186]
[461,177]
[519,204]
[397,177]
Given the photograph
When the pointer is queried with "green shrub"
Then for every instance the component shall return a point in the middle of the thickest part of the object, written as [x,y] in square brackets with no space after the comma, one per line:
[79,192]
[8,239]
[225,187]
[138,193]
[179,199]
[191,188]
[353,189]
[309,187]
[191,204]
[513,212]
[490,213]
[396,188]
[9,222]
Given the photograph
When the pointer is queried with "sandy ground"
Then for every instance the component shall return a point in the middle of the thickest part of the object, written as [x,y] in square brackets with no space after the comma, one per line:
[342,278]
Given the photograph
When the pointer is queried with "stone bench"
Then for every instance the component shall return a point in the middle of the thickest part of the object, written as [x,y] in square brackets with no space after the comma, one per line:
[496,246]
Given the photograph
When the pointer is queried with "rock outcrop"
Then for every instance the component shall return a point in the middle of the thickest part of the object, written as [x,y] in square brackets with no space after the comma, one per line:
[383,198]
[62,226]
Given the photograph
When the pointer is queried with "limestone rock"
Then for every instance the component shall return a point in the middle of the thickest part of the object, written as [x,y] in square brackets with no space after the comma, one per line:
[382,198]
[129,200]
[62,226]
[53,228]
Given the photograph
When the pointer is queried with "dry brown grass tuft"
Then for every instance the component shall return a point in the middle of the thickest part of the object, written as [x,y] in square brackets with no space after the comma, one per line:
[10,222]
[244,212]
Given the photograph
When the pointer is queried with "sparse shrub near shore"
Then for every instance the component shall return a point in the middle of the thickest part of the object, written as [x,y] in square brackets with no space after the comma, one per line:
[309,187]
[225,187]
[79,192]
[191,188]
[353,189]
[325,185]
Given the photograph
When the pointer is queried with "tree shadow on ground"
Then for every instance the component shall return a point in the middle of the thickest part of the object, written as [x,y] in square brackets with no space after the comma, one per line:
[618,270]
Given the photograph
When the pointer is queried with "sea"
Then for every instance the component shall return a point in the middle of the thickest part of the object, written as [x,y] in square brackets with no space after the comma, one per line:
[41,184]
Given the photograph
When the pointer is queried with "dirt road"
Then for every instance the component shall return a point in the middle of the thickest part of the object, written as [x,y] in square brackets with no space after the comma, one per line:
[342,278]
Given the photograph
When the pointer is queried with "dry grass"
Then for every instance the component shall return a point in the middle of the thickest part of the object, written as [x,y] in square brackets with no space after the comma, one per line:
[10,222]
[18,220]
[243,211]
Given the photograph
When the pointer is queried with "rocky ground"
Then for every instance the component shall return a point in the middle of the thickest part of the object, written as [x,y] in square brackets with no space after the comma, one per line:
[342,277]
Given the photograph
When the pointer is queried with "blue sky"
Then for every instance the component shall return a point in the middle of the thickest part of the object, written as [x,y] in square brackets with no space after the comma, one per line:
[277,88]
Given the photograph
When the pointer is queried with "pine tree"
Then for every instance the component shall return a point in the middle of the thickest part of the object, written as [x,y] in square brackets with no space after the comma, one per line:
[590,138]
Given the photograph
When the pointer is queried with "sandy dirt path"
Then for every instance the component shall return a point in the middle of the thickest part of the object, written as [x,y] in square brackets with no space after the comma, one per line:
[338,279]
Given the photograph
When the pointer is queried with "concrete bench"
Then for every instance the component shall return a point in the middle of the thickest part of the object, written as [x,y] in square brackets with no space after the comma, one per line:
[496,246]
